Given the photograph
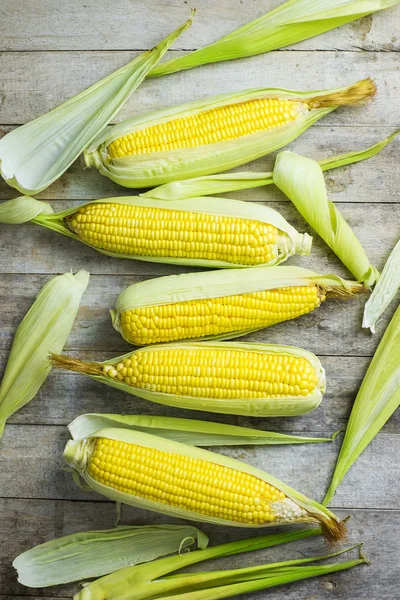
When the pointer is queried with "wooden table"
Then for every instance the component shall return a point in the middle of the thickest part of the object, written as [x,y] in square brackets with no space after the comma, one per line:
[51,51]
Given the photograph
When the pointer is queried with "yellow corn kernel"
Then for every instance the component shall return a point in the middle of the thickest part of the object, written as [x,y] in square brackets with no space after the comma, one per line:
[216,373]
[189,483]
[195,319]
[158,232]
[224,123]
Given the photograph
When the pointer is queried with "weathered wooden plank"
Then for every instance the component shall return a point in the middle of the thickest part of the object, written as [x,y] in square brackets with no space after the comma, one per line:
[27,523]
[132,24]
[66,395]
[376,180]
[30,248]
[33,83]
[332,329]
[34,453]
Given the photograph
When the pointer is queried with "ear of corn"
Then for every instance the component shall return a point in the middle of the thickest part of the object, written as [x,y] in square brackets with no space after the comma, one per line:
[206,137]
[90,554]
[186,431]
[44,329]
[221,304]
[376,401]
[287,24]
[256,380]
[209,232]
[153,581]
[183,481]
[36,154]
[229,182]
[384,291]
[302,180]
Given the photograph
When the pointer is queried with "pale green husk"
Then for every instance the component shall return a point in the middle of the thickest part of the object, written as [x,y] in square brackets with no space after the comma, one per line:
[302,180]
[149,170]
[44,329]
[36,154]
[290,241]
[153,580]
[229,182]
[77,455]
[186,431]
[289,23]
[377,399]
[216,284]
[384,291]
[284,406]
[90,554]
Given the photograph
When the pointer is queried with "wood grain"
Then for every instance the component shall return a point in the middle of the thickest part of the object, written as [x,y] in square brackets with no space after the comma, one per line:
[98,25]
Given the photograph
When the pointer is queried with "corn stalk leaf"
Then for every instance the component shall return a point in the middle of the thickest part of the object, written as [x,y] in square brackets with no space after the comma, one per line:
[384,291]
[376,401]
[291,22]
[36,154]
[229,182]
[186,431]
[302,180]
[90,554]
[44,329]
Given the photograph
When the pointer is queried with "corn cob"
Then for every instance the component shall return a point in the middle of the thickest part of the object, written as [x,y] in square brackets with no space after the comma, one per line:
[221,304]
[179,480]
[231,378]
[214,135]
[197,231]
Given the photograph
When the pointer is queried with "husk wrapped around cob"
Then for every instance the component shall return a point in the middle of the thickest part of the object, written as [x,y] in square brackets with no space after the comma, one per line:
[217,305]
[157,474]
[212,135]
[207,232]
[256,380]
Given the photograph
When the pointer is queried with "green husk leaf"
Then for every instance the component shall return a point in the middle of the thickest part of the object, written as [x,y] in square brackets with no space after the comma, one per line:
[141,581]
[290,241]
[44,329]
[215,284]
[156,168]
[89,554]
[302,180]
[36,154]
[288,24]
[229,182]
[77,454]
[259,407]
[384,291]
[186,431]
[376,401]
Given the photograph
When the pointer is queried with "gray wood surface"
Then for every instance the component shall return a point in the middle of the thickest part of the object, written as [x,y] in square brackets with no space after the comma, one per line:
[50,51]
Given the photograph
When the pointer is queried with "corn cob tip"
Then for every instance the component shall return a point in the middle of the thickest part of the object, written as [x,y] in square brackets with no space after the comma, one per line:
[359,93]
[352,289]
[60,361]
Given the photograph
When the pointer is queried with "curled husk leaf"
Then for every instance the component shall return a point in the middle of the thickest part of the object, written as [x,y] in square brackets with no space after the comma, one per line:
[35,155]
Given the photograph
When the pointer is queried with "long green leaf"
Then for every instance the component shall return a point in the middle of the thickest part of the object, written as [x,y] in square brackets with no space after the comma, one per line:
[229,182]
[384,291]
[90,554]
[377,399]
[187,431]
[44,329]
[302,180]
[291,22]
[36,154]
